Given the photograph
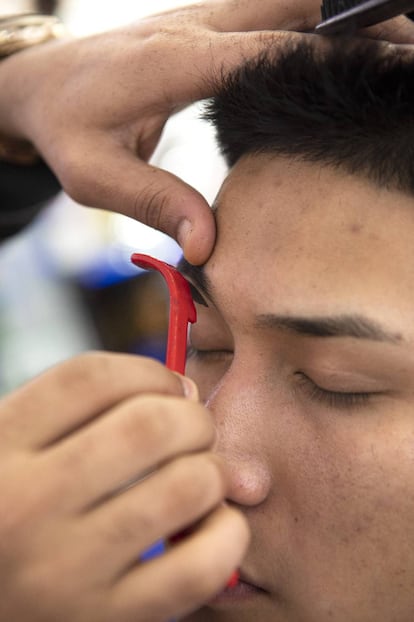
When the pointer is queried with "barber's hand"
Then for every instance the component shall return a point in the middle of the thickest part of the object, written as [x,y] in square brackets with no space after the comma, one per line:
[100,457]
[95,107]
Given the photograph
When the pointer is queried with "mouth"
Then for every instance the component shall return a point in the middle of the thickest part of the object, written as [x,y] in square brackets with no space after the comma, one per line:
[245,590]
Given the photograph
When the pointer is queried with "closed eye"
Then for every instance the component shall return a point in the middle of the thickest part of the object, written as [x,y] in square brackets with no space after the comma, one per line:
[207,355]
[334,399]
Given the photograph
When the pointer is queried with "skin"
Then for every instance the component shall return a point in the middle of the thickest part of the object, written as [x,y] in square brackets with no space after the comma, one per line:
[89,484]
[95,108]
[72,438]
[325,483]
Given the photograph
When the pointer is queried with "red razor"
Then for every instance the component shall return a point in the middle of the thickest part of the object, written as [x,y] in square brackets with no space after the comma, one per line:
[182,309]
[182,312]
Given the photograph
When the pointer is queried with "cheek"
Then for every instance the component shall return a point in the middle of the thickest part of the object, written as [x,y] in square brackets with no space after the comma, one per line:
[368,462]
[351,507]
[339,515]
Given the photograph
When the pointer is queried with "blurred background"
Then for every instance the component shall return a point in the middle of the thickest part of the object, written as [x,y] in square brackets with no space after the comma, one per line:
[66,282]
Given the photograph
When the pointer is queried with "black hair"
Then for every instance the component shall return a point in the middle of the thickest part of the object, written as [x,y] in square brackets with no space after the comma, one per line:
[347,104]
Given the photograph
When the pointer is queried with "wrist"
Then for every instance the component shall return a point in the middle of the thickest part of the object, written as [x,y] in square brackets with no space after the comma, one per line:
[19,34]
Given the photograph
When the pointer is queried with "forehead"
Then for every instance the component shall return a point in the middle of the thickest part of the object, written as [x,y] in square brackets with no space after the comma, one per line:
[307,238]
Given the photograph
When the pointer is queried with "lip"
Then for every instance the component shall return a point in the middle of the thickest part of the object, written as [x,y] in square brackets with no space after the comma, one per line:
[245,590]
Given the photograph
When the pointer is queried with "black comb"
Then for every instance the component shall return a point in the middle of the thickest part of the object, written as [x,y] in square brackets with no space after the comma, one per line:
[347,16]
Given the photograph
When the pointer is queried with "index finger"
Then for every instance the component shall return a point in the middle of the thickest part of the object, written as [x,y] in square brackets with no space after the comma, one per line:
[73,393]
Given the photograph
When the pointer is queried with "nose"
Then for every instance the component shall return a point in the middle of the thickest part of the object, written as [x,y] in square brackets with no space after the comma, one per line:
[236,405]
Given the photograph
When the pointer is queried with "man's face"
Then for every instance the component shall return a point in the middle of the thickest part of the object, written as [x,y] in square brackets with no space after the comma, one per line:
[305,356]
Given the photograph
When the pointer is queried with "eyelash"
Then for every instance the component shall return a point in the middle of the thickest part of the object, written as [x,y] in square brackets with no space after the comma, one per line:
[204,354]
[333,399]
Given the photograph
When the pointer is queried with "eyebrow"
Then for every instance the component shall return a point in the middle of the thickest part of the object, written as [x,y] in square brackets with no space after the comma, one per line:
[197,277]
[344,325]
[356,326]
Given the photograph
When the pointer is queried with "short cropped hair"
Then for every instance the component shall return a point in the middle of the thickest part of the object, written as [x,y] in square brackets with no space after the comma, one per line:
[348,104]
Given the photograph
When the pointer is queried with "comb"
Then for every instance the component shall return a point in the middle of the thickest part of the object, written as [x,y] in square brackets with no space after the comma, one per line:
[347,16]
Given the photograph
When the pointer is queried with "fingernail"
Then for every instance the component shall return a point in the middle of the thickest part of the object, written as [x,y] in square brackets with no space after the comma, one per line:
[183,232]
[190,388]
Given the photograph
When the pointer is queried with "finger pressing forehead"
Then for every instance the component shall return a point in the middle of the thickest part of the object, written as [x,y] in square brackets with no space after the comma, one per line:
[69,395]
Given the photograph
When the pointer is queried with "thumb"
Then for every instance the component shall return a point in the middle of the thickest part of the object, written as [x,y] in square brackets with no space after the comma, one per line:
[119,181]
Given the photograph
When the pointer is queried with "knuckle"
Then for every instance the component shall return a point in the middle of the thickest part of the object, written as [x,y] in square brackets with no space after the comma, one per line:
[158,38]
[151,205]
[161,425]
[151,423]
[88,370]
[123,529]
[197,481]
